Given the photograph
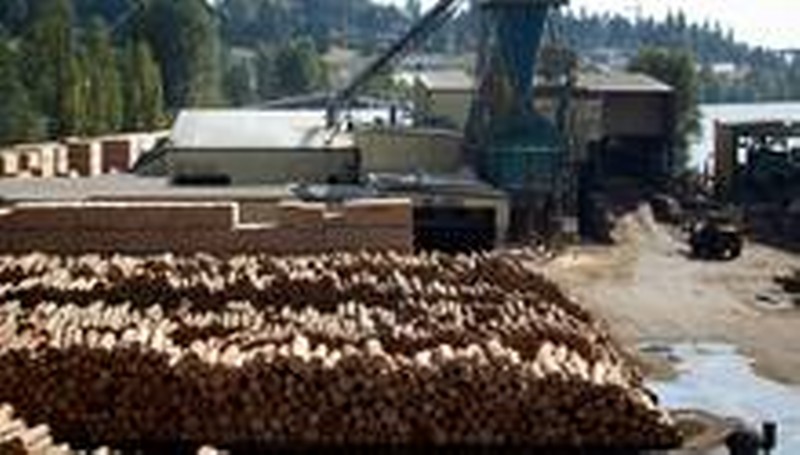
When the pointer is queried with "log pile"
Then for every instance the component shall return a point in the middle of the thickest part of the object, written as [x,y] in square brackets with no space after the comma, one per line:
[324,350]
[17,438]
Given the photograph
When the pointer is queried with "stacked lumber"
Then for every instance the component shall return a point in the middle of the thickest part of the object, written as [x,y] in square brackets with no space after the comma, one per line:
[17,438]
[323,350]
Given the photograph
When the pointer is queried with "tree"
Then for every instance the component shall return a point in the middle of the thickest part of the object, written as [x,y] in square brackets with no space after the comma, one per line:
[266,84]
[47,56]
[18,120]
[74,99]
[239,88]
[143,95]
[104,106]
[299,68]
[676,68]
[414,9]
[184,36]
[14,14]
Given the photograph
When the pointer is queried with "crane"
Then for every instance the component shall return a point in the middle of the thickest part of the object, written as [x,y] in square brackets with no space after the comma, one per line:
[509,143]
[421,30]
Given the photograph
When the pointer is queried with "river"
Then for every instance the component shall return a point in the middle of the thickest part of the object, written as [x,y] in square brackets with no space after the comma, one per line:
[702,148]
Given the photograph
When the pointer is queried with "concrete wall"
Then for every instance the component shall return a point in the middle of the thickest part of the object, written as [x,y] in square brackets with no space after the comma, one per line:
[9,163]
[265,166]
[406,151]
[217,228]
[606,114]
[584,121]
[453,105]
[500,205]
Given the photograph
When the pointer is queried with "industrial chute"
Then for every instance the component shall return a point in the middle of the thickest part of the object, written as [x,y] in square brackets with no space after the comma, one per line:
[508,143]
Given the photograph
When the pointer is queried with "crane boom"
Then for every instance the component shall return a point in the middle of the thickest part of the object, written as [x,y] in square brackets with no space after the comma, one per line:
[430,22]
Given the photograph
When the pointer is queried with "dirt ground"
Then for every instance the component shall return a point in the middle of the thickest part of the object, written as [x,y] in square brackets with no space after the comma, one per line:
[649,291]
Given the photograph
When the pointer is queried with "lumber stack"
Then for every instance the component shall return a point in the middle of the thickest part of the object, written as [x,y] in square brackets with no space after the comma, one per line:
[324,350]
[17,438]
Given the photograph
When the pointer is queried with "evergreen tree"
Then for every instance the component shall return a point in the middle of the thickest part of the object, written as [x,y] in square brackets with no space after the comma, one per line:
[47,56]
[104,106]
[238,84]
[18,119]
[143,95]
[184,36]
[266,84]
[675,68]
[299,69]
[74,99]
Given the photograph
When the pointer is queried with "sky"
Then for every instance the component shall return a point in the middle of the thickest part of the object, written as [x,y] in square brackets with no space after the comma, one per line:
[769,23]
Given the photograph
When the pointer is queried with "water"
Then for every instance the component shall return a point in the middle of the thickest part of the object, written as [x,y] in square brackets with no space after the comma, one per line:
[702,149]
[717,379]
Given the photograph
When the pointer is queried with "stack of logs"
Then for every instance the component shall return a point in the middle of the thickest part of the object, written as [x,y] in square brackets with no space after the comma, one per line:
[17,438]
[325,350]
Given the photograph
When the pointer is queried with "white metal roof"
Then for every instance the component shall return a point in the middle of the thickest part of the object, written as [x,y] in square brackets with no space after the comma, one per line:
[255,129]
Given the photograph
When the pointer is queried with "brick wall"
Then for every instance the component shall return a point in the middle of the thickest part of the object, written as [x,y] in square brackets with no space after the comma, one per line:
[152,227]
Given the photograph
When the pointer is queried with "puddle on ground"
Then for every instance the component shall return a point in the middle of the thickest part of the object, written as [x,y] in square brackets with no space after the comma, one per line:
[717,379]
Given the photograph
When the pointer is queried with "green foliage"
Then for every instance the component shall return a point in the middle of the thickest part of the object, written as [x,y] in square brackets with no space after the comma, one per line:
[184,37]
[73,100]
[73,75]
[47,54]
[676,68]
[143,94]
[361,23]
[766,75]
[291,69]
[265,73]
[104,106]
[238,84]
[298,69]
[19,121]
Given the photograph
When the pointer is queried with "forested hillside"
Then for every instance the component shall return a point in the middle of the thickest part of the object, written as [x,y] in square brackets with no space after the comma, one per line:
[751,74]
[72,67]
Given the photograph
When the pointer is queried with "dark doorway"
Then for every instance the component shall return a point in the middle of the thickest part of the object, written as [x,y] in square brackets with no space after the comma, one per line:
[643,158]
[454,229]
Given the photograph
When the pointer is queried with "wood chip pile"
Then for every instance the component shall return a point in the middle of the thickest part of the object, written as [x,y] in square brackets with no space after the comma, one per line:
[334,349]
